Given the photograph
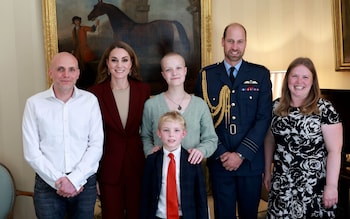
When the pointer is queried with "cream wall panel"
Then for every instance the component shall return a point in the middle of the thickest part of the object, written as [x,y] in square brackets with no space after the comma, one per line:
[22,74]
[279,31]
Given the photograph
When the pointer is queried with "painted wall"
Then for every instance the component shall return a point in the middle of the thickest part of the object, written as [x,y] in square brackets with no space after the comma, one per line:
[278,31]
[22,74]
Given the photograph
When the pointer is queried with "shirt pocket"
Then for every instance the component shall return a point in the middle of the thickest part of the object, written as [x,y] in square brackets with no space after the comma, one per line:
[248,99]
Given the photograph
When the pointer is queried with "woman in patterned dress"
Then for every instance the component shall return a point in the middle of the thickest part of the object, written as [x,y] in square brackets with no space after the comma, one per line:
[304,144]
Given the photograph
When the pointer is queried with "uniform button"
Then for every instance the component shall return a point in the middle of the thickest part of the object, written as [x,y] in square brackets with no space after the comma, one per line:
[233,91]
[233,117]
[233,104]
[213,98]
[250,97]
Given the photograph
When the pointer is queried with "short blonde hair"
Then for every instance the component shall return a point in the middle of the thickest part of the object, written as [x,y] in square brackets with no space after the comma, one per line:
[172,116]
[171,54]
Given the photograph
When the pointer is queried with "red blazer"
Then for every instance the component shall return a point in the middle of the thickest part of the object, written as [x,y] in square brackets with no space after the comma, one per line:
[123,148]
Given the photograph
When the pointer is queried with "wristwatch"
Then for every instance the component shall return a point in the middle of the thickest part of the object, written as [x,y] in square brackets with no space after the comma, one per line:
[240,155]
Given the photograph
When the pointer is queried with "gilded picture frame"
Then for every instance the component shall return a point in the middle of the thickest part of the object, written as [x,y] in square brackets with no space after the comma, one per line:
[341,24]
[51,33]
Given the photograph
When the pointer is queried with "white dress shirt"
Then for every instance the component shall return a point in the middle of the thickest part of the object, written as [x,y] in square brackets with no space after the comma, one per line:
[61,138]
[161,211]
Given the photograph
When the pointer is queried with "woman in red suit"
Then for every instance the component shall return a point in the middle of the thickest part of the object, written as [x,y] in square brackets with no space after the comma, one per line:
[121,96]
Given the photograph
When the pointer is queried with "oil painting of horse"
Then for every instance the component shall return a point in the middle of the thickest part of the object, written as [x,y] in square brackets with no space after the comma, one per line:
[159,33]
[151,38]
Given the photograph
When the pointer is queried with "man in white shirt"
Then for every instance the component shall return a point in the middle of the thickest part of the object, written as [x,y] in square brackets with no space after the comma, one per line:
[62,142]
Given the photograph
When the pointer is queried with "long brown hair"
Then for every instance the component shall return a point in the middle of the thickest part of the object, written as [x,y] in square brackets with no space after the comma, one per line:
[102,70]
[309,105]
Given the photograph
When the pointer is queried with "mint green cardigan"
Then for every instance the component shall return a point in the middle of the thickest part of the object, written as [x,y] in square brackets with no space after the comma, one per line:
[200,129]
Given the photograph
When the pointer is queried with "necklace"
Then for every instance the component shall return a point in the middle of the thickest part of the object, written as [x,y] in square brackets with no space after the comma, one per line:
[179,107]
[124,88]
[120,87]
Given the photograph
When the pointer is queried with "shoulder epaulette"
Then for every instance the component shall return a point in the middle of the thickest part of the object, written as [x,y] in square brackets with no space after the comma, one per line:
[209,66]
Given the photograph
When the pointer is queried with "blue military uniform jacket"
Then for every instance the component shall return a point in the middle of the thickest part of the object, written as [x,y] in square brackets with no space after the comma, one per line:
[241,112]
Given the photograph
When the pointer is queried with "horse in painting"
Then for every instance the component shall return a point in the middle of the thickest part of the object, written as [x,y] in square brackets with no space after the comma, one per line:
[142,36]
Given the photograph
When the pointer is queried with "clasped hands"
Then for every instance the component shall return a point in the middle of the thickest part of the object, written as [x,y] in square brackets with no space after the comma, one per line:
[230,161]
[65,188]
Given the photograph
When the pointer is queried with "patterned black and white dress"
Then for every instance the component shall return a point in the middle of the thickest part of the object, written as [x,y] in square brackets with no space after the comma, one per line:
[299,172]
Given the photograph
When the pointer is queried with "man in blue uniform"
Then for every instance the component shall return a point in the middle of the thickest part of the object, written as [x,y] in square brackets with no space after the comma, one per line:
[239,96]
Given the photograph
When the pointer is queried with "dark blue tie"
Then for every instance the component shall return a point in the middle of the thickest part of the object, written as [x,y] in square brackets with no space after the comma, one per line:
[232,77]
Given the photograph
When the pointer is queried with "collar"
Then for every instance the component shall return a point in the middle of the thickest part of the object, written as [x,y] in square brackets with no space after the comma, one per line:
[176,152]
[237,67]
[76,92]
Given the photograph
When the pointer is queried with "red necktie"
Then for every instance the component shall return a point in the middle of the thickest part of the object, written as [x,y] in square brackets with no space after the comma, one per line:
[172,205]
